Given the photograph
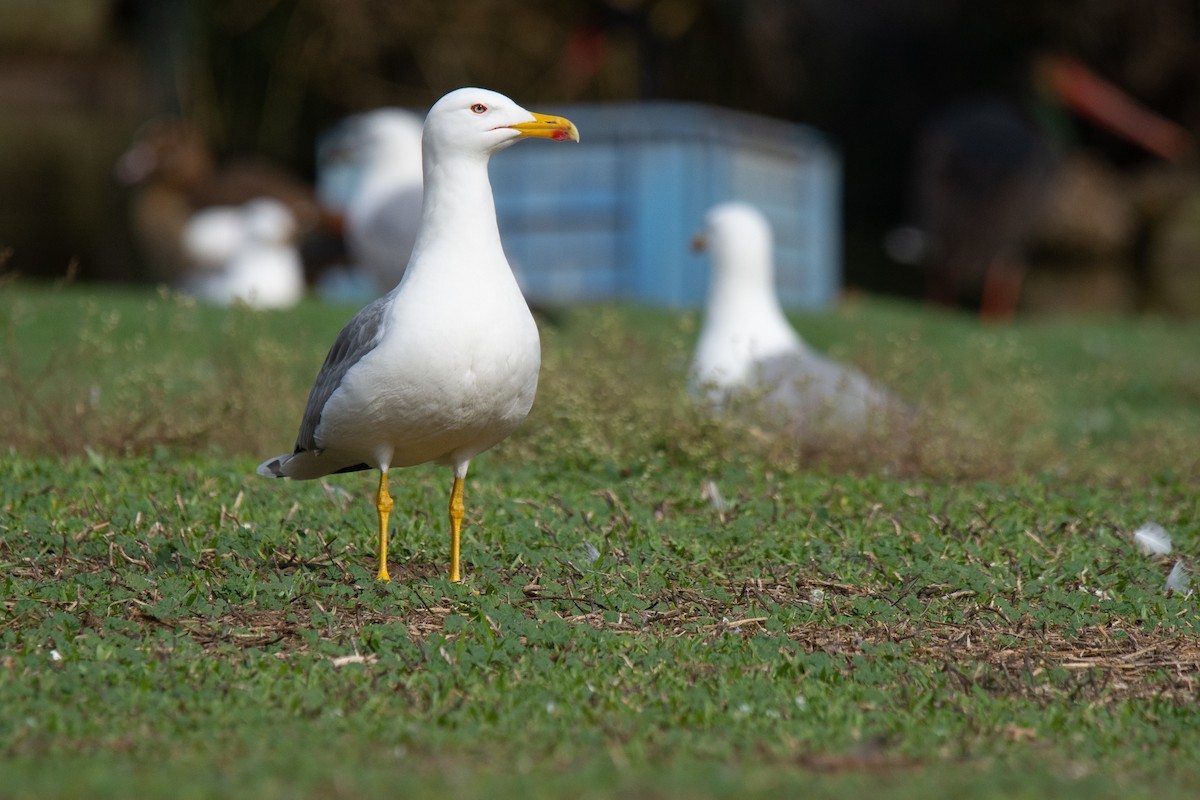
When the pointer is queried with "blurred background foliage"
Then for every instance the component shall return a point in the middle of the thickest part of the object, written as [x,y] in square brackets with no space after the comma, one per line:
[265,77]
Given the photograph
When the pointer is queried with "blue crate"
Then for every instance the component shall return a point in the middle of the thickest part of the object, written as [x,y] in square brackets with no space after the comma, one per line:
[611,218]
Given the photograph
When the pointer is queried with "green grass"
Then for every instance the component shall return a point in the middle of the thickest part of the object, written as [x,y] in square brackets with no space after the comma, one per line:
[959,613]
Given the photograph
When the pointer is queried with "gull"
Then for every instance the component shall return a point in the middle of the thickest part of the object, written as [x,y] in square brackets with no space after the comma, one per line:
[369,169]
[446,364]
[244,254]
[748,356]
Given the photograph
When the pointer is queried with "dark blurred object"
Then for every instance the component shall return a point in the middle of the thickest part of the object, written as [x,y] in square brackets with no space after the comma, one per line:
[1173,250]
[1095,239]
[1082,241]
[66,93]
[986,174]
[981,173]
[874,73]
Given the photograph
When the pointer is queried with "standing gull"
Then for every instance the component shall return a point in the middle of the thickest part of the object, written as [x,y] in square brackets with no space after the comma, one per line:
[446,364]
[748,356]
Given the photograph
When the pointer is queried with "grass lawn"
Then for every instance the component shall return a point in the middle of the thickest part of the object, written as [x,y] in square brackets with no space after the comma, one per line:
[960,611]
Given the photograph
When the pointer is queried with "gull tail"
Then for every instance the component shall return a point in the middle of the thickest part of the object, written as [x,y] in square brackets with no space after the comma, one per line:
[304,465]
[273,467]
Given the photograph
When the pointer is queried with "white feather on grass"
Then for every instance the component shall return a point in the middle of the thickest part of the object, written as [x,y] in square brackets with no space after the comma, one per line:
[709,491]
[1152,539]
[1180,580]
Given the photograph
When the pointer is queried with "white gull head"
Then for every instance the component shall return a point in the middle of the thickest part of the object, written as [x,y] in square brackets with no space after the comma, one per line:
[479,122]
[743,322]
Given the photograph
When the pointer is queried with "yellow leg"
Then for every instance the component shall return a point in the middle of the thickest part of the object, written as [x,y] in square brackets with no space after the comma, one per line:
[456,517]
[383,502]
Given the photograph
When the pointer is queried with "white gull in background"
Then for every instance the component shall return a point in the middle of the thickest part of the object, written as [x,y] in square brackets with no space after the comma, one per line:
[369,170]
[749,357]
[245,254]
[446,364]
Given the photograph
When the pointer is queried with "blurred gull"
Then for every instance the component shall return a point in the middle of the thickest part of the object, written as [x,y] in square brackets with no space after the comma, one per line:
[748,356]
[369,170]
[446,364]
[244,254]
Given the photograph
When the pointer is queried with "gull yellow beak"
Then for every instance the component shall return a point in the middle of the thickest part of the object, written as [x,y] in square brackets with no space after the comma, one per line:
[699,243]
[547,127]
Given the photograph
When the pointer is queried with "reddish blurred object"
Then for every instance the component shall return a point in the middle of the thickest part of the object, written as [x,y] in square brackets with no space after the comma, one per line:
[1104,104]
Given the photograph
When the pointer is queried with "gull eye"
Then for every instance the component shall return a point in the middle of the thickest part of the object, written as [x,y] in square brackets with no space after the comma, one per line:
[479,108]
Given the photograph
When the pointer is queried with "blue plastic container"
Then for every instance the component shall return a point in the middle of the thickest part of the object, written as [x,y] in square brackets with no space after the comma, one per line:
[612,217]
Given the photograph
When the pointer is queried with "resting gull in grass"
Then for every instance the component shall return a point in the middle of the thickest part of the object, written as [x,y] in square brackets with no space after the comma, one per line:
[749,357]
[446,364]
[244,254]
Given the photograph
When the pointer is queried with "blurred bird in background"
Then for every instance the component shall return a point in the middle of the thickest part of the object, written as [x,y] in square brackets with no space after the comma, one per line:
[369,175]
[749,358]
[244,254]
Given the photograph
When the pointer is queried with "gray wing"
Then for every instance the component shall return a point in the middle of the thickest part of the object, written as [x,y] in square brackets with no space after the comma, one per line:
[360,336]
[820,389]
